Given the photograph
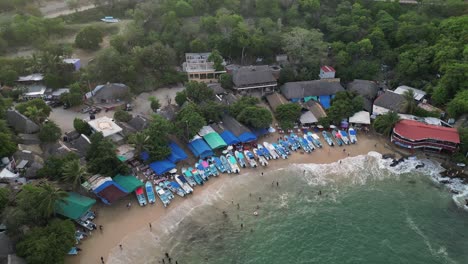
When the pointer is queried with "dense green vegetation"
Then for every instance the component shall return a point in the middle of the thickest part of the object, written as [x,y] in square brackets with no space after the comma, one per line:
[49,132]
[384,124]
[101,158]
[287,115]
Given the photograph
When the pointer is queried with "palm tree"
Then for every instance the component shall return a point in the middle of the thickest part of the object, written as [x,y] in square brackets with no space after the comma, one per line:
[139,141]
[409,103]
[384,123]
[74,173]
[35,114]
[50,195]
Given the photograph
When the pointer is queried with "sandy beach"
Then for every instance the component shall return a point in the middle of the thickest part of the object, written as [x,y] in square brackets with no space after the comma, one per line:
[118,222]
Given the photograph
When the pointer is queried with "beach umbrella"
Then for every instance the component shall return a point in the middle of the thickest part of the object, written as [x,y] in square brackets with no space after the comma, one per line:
[173,171]
[271,130]
[332,126]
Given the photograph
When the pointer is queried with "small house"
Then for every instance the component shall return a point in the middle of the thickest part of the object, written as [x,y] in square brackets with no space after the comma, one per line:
[33,86]
[319,90]
[418,94]
[387,102]
[110,92]
[75,62]
[21,123]
[327,72]
[254,78]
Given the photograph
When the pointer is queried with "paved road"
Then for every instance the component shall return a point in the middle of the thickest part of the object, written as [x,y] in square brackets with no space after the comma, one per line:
[64,117]
[56,9]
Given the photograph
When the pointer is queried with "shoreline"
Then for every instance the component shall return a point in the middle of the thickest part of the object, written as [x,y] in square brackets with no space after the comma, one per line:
[119,222]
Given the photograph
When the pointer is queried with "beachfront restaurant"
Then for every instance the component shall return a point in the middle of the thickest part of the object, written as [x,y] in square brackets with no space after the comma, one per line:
[74,206]
[412,134]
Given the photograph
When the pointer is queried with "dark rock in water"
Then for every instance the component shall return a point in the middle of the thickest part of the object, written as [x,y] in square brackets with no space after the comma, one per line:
[388,156]
[420,166]
[412,182]
[444,181]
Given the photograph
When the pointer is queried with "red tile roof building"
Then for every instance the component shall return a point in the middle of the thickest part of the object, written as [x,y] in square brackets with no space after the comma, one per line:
[413,135]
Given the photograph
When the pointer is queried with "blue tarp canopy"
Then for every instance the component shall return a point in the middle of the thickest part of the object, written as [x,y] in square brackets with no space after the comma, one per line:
[229,137]
[325,101]
[162,166]
[177,154]
[247,137]
[200,148]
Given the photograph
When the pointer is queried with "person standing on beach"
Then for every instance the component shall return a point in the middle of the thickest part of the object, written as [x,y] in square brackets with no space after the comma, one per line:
[151,227]
[277,184]
[102,260]
[120,247]
[238,206]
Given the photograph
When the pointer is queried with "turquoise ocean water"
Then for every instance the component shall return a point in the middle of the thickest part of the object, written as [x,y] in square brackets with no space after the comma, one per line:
[367,212]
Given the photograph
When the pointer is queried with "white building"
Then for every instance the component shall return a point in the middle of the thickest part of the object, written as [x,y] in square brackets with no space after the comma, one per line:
[418,94]
[106,126]
[199,69]
[327,72]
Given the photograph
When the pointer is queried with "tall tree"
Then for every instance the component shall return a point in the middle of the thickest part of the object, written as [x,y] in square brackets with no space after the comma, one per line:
[35,114]
[304,46]
[139,141]
[49,196]
[74,173]
[384,123]
[49,132]
[288,114]
[410,103]
[156,137]
[189,122]
[256,117]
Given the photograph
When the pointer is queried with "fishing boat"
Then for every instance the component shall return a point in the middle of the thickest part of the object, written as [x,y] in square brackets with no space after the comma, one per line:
[140,194]
[292,143]
[337,136]
[344,136]
[150,192]
[196,176]
[73,251]
[279,149]
[352,135]
[328,138]
[284,145]
[271,150]
[315,139]
[214,171]
[233,163]
[306,145]
[217,162]
[309,141]
[162,194]
[201,171]
[174,187]
[250,158]
[189,177]
[202,164]
[265,151]
[261,157]
[240,157]
[225,164]
[109,19]
[184,184]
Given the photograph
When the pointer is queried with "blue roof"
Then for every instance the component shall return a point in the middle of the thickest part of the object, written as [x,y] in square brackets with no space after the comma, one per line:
[229,137]
[200,148]
[162,166]
[247,137]
[177,153]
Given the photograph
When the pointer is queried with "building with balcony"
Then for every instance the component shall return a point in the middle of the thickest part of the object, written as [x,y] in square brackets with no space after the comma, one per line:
[199,69]
[416,135]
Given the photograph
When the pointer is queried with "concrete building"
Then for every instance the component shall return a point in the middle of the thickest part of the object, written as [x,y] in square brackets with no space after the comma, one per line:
[327,72]
[199,69]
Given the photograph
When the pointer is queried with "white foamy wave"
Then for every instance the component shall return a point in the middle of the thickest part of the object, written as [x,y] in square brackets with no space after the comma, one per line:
[283,200]
[441,252]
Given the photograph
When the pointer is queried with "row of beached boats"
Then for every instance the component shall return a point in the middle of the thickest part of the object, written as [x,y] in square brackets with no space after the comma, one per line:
[232,162]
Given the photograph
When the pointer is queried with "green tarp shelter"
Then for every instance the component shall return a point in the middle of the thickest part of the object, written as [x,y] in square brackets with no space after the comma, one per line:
[214,140]
[129,182]
[74,206]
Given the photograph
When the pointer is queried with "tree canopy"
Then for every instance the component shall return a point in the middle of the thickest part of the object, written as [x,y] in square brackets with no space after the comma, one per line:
[189,121]
[288,114]
[384,123]
[50,132]
[155,139]
[89,38]
[101,157]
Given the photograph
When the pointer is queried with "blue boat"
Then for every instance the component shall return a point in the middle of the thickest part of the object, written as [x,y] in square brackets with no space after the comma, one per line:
[201,171]
[352,135]
[196,176]
[265,152]
[240,157]
[279,148]
[174,187]
[305,145]
[337,136]
[344,136]
[213,170]
[184,184]
[205,167]
[314,138]
[150,192]
[281,152]
[164,196]
[140,194]
[270,150]
[294,145]
[217,162]
[233,163]
[250,158]
[328,138]
[225,164]
[73,251]
[189,177]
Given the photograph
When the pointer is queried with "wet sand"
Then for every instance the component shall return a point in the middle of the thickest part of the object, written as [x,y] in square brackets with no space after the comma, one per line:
[119,222]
